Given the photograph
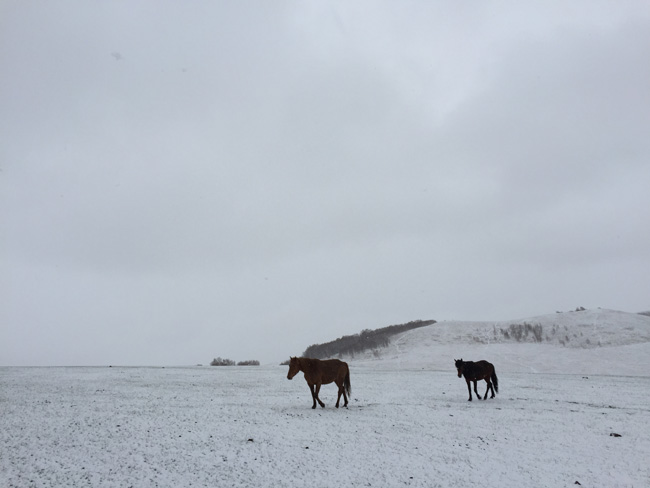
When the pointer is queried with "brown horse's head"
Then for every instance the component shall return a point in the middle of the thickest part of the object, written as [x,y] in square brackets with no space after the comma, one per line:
[294,368]
[459,366]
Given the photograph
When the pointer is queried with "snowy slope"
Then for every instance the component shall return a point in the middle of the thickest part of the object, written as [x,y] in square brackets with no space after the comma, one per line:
[586,342]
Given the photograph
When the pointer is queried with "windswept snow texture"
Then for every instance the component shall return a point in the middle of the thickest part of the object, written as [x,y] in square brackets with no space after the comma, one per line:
[251,427]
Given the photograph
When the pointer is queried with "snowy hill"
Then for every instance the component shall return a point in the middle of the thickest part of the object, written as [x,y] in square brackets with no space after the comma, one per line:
[581,342]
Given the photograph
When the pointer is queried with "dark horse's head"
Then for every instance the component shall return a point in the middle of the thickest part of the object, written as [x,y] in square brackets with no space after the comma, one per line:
[460,365]
[294,367]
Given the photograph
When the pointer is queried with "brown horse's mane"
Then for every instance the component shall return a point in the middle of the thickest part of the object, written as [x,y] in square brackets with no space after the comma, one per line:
[308,363]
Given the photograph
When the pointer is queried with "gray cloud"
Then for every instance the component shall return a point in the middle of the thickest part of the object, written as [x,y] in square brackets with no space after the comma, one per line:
[179,183]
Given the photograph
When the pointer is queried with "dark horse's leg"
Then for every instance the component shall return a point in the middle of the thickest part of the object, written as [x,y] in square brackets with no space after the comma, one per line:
[316,396]
[469,388]
[476,391]
[489,386]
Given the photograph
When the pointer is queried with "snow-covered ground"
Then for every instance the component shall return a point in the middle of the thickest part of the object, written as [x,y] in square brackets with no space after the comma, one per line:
[251,427]
[408,423]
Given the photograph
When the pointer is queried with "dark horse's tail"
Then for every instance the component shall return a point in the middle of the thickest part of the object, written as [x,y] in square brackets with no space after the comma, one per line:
[346,384]
[495,381]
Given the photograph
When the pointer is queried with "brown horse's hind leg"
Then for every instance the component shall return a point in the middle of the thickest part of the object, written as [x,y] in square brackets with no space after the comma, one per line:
[476,391]
[341,392]
[469,388]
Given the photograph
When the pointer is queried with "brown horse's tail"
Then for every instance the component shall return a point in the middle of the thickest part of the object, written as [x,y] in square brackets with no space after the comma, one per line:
[495,381]
[346,384]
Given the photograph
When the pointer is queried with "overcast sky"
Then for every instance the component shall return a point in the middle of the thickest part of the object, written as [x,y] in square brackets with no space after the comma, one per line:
[186,180]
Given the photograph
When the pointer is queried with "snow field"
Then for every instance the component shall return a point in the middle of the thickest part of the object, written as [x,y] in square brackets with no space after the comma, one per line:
[250,426]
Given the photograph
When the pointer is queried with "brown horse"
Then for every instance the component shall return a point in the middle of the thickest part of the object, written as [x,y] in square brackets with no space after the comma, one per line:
[319,373]
[477,371]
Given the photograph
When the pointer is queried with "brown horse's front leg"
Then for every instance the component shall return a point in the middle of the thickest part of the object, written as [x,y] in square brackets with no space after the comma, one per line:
[476,390]
[312,390]
[319,402]
[469,388]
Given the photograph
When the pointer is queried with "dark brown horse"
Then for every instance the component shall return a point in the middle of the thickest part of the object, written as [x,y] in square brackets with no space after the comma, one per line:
[477,371]
[323,372]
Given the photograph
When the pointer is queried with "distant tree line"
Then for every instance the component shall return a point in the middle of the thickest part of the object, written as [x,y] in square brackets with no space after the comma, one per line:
[229,362]
[366,340]
[521,332]
[251,362]
[527,332]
